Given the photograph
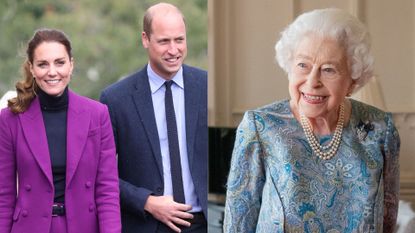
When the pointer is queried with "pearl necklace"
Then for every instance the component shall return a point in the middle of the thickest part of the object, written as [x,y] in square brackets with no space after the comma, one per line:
[328,151]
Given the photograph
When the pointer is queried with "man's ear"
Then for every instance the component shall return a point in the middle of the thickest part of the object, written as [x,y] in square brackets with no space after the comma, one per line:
[145,40]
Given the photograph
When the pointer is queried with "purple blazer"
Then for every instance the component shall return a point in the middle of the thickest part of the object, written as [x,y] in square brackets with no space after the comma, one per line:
[92,191]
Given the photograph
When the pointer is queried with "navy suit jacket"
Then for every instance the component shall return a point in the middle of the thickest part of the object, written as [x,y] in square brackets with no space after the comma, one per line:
[138,148]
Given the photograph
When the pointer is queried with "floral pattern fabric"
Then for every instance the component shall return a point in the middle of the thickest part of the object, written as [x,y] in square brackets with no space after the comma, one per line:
[277,184]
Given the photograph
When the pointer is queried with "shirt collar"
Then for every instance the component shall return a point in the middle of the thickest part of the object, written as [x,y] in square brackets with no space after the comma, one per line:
[156,82]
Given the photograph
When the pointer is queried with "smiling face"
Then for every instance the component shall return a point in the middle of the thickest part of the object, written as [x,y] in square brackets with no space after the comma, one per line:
[319,79]
[52,67]
[166,46]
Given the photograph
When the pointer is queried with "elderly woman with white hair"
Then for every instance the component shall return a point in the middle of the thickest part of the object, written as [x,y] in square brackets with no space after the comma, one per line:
[318,162]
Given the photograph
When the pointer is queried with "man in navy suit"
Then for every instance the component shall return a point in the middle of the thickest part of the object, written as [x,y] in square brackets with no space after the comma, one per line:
[138,111]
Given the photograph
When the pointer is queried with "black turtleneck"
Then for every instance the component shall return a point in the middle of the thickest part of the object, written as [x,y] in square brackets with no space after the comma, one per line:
[54,111]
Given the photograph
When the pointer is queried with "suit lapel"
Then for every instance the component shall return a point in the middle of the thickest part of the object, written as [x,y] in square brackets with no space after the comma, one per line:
[77,132]
[144,104]
[35,134]
[191,100]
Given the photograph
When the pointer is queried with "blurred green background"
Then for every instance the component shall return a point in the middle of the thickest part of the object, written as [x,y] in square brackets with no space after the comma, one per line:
[105,36]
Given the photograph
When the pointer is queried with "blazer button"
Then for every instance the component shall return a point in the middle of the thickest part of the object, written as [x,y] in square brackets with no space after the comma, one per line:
[28,187]
[91,208]
[24,213]
[159,190]
[88,184]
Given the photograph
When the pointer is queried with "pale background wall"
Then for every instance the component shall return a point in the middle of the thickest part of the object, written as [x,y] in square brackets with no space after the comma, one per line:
[243,73]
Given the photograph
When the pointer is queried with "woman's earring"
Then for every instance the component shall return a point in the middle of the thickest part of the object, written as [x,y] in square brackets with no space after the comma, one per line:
[352,88]
[33,85]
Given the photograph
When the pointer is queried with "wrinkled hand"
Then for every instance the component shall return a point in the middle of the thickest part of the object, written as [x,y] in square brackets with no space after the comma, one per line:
[168,211]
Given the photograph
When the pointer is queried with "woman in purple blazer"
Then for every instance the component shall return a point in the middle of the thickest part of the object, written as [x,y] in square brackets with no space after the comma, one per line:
[57,154]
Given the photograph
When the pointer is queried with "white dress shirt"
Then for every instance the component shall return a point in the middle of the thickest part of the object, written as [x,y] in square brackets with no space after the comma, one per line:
[157,93]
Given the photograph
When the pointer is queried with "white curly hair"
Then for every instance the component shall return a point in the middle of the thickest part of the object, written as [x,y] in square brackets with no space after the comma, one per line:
[338,25]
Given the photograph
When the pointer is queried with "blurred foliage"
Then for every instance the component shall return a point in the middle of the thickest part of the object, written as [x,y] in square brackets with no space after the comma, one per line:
[105,36]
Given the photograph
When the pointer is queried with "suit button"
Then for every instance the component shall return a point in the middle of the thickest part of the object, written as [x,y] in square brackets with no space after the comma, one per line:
[24,213]
[91,208]
[28,187]
[88,184]
[159,190]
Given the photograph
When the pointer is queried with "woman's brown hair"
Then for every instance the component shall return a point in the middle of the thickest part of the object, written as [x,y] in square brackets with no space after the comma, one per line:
[26,88]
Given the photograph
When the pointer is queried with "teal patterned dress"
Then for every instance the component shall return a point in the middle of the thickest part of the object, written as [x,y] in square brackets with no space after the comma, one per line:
[276,183]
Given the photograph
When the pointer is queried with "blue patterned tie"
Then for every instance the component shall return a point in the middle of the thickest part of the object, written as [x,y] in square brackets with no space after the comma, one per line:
[175,165]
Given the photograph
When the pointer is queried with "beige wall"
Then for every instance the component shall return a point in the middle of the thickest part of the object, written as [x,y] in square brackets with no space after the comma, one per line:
[243,73]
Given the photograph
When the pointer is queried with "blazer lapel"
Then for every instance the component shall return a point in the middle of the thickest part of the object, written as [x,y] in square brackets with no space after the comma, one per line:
[191,100]
[144,104]
[77,133]
[35,134]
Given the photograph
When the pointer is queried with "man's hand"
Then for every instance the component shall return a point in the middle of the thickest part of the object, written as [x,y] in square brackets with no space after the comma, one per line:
[168,211]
